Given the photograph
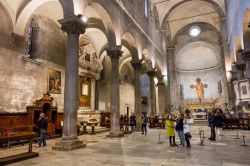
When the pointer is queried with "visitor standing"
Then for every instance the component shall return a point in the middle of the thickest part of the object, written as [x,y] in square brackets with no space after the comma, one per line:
[43,125]
[170,130]
[187,133]
[132,120]
[144,121]
[179,129]
[218,122]
[211,121]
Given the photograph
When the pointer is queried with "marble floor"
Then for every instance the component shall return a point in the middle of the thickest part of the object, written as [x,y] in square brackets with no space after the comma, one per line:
[144,150]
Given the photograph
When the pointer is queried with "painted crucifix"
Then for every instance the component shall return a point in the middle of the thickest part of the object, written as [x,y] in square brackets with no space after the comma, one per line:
[199,89]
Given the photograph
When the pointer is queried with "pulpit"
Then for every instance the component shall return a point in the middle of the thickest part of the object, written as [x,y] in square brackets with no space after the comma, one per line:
[43,105]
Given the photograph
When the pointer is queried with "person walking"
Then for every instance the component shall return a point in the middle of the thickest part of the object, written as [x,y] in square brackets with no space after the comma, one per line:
[179,129]
[170,130]
[43,125]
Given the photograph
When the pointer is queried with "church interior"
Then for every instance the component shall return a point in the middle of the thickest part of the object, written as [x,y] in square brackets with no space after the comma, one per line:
[91,67]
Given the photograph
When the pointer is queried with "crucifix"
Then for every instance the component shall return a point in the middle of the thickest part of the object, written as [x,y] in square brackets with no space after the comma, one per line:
[199,89]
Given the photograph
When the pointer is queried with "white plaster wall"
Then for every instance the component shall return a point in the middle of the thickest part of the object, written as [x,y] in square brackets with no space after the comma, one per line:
[209,77]
[127,98]
[22,82]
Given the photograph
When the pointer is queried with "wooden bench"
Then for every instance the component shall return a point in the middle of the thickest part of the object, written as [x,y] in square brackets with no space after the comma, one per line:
[7,131]
[19,157]
[236,123]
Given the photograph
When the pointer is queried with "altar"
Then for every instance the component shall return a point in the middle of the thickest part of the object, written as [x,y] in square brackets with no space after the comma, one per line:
[199,110]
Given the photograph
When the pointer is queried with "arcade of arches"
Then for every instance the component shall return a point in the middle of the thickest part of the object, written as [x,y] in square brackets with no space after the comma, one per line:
[94,60]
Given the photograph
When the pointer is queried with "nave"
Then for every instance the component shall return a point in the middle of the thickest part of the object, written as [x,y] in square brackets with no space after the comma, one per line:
[139,150]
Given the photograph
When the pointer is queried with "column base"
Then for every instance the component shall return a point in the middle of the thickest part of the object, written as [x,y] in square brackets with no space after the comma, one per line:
[69,145]
[115,134]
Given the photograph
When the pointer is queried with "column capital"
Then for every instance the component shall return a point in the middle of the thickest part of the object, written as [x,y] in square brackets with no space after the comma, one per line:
[114,52]
[245,54]
[73,25]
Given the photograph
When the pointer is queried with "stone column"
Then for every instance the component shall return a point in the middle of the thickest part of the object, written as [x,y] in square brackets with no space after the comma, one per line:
[96,94]
[73,26]
[151,75]
[246,56]
[171,77]
[115,54]
[162,95]
[137,84]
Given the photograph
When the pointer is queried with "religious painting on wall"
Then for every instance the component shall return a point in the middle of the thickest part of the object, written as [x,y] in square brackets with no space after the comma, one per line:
[54,81]
[85,91]
[244,89]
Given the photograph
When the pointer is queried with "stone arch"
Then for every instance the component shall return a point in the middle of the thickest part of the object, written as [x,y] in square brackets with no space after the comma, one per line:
[127,61]
[7,11]
[215,4]
[129,42]
[246,30]
[107,22]
[30,7]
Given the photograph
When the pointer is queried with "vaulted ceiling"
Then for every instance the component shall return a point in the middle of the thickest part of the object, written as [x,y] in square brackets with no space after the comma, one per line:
[176,14]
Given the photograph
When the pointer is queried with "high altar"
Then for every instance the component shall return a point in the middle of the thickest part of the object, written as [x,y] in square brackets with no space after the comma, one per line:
[198,108]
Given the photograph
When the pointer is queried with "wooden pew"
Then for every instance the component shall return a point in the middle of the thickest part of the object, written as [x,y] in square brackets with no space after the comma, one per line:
[19,157]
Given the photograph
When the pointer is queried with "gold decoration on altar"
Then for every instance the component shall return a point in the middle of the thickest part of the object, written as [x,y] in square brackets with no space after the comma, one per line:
[199,89]
[196,106]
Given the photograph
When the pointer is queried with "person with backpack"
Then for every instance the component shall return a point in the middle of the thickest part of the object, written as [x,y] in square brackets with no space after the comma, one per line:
[43,125]
[144,120]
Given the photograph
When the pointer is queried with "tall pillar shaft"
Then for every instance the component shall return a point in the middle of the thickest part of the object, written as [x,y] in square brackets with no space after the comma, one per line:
[151,75]
[115,54]
[171,78]
[73,26]
[97,95]
[246,57]
[137,84]
[162,97]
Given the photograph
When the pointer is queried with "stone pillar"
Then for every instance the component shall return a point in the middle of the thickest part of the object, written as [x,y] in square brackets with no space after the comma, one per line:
[240,71]
[171,77]
[162,95]
[137,84]
[96,94]
[115,54]
[151,75]
[73,26]
[246,56]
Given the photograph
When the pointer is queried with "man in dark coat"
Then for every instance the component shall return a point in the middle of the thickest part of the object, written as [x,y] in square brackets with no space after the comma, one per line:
[43,125]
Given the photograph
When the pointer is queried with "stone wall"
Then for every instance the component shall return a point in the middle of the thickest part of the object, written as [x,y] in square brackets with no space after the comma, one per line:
[23,81]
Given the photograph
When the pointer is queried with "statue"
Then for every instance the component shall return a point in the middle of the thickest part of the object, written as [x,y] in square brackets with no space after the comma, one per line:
[199,89]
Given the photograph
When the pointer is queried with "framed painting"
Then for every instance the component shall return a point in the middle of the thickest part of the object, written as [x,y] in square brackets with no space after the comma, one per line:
[54,81]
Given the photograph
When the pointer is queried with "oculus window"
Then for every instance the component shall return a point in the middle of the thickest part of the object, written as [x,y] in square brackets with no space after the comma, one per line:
[194,31]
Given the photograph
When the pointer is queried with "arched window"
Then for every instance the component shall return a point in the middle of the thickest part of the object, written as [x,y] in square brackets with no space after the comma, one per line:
[146,8]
